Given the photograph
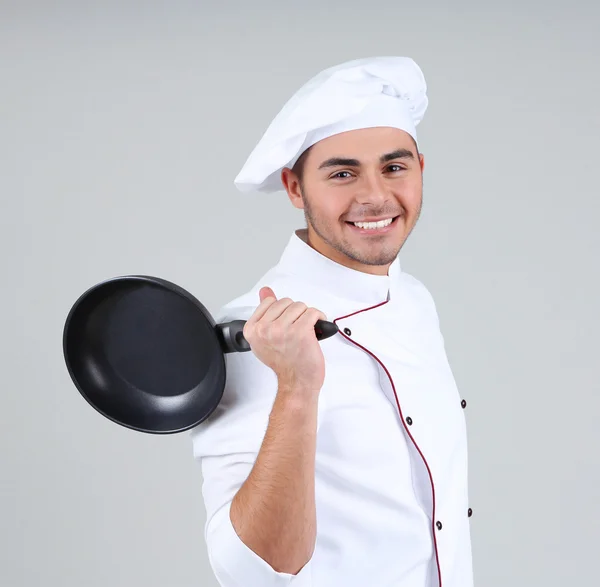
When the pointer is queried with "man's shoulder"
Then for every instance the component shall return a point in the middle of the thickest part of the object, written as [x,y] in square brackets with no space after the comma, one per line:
[284,285]
[416,293]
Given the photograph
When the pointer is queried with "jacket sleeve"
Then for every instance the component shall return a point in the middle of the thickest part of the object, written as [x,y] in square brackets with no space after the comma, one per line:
[226,445]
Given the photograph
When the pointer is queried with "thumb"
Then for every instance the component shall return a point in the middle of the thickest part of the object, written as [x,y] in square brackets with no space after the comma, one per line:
[266,292]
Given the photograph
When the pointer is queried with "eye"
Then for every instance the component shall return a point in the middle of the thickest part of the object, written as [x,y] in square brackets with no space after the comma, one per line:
[398,167]
[339,173]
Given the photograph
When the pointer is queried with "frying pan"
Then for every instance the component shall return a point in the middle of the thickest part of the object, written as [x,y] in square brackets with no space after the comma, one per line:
[147,355]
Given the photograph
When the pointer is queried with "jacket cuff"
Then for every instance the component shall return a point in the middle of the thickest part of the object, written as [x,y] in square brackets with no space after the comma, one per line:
[237,565]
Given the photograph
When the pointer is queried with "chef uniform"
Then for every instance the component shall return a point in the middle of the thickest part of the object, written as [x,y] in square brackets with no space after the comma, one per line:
[391,484]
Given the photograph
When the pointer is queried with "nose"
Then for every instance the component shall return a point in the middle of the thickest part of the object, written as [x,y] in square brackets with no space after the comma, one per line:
[373,190]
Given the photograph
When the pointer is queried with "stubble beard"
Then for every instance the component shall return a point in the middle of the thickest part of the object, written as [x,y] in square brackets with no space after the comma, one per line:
[375,255]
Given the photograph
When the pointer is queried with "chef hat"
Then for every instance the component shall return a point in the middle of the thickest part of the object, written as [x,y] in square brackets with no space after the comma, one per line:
[363,93]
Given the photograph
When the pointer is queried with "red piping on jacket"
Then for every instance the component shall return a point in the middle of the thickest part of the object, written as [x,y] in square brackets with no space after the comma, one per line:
[437,558]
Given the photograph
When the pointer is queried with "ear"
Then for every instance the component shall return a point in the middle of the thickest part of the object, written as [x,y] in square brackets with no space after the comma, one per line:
[292,186]
[422,161]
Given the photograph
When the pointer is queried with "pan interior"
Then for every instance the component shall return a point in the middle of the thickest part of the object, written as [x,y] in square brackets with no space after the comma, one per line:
[153,339]
[145,356]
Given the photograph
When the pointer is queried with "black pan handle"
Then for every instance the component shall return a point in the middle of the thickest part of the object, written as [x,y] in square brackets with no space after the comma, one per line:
[231,335]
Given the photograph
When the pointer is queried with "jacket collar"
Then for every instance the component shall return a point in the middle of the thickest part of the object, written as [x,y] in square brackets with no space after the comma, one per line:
[300,259]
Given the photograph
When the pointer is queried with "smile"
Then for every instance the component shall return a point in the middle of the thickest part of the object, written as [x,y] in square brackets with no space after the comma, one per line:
[380,227]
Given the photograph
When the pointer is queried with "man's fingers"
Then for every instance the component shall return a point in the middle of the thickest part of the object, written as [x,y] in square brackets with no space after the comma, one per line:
[267,299]
[312,315]
[266,292]
[270,308]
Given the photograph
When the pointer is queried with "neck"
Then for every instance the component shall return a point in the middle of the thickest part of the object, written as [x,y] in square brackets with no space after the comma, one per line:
[319,270]
[311,238]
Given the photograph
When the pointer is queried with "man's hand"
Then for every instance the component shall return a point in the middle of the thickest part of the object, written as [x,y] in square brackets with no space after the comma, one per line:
[281,334]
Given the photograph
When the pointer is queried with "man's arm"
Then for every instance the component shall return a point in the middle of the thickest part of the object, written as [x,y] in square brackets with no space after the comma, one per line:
[274,510]
[258,451]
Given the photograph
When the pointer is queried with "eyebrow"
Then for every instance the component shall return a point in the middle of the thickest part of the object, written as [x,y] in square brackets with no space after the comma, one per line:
[337,161]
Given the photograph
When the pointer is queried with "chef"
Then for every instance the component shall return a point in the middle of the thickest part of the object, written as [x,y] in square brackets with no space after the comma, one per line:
[342,462]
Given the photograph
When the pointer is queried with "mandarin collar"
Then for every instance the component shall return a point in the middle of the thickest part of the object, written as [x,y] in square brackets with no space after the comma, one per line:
[302,260]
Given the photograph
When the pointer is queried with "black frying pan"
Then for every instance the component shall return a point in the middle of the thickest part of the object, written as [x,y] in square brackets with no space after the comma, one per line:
[147,355]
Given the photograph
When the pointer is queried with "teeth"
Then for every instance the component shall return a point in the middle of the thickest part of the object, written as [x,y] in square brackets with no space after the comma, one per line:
[380,224]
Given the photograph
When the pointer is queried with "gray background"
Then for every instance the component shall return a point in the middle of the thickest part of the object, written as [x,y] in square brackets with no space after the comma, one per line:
[122,129]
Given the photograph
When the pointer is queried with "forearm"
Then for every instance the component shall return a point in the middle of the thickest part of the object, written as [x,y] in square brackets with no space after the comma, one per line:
[274,510]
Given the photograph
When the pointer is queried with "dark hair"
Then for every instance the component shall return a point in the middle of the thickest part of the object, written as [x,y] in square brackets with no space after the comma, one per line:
[298,167]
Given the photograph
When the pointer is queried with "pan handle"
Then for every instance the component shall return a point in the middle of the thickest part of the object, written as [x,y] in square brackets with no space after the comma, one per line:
[231,335]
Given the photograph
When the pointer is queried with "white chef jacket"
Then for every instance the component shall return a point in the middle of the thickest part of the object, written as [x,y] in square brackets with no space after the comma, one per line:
[391,457]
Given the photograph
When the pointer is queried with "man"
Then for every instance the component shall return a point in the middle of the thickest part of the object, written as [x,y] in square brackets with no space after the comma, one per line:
[342,462]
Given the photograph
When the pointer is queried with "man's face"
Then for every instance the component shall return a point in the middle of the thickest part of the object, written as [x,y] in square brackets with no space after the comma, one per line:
[360,176]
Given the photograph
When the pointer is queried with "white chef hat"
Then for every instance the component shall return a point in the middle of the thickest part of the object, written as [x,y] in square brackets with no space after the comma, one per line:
[363,93]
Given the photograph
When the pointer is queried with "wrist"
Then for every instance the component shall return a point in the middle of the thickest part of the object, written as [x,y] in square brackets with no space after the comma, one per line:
[297,395]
